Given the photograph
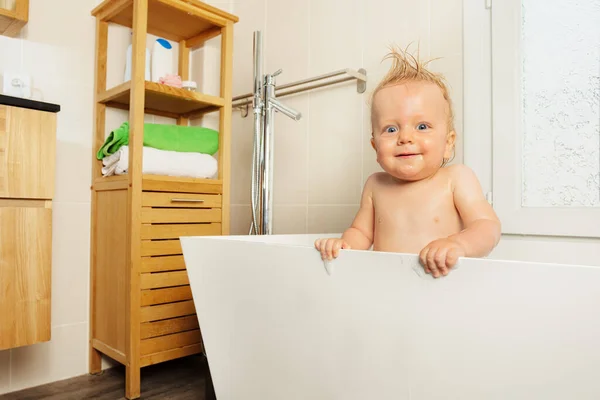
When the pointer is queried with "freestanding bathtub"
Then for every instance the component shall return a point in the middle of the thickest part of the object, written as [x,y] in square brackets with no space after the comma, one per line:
[278,325]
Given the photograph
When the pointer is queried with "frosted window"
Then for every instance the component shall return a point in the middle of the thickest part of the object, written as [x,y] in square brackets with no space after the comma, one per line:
[561,107]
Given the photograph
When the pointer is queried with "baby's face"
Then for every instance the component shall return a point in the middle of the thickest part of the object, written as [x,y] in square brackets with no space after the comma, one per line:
[410,130]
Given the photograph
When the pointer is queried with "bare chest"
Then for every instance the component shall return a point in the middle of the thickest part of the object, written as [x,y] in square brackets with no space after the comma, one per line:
[406,220]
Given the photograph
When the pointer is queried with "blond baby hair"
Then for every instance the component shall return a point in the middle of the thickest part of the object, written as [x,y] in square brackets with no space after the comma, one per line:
[406,68]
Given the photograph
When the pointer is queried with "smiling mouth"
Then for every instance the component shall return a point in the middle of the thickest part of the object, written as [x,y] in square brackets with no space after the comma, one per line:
[407,155]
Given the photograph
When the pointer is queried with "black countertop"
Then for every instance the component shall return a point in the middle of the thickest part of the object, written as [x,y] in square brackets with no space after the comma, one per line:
[26,103]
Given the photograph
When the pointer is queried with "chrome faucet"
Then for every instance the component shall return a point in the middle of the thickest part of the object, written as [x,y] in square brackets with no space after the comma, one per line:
[272,100]
[265,104]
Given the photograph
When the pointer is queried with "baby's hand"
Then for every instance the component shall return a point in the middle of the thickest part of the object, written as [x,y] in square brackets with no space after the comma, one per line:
[330,248]
[439,256]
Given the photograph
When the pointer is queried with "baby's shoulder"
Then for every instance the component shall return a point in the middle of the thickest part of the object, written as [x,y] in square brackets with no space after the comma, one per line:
[460,174]
[377,179]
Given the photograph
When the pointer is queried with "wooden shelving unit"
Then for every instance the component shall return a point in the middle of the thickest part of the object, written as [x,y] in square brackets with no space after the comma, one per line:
[12,21]
[141,307]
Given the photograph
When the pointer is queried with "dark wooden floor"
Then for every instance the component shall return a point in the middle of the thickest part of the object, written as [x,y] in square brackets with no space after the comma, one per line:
[184,379]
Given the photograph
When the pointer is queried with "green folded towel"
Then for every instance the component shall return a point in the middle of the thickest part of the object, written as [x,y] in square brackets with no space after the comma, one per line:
[185,139]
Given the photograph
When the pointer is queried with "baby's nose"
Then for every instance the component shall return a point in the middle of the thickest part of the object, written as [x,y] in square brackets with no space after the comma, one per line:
[405,137]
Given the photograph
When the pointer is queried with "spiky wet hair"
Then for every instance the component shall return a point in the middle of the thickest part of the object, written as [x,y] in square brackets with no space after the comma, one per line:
[408,68]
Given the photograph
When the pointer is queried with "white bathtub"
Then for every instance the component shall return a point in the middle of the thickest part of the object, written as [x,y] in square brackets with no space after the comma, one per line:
[277,326]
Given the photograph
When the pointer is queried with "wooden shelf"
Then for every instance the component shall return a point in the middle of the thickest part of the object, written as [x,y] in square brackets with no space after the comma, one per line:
[170,19]
[163,100]
[161,183]
[12,21]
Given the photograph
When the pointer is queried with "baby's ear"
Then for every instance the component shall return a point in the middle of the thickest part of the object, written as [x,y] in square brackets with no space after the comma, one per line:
[450,143]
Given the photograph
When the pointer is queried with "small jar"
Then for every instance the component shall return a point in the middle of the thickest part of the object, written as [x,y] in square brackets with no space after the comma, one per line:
[190,86]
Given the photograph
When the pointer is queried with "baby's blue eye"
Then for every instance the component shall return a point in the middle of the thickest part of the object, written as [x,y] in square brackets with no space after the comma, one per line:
[421,127]
[391,129]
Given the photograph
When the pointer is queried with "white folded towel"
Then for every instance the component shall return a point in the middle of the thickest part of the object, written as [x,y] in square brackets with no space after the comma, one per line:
[163,162]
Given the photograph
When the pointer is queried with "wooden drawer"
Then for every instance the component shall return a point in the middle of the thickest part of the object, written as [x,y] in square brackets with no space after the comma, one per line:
[152,297]
[27,151]
[168,342]
[158,264]
[175,231]
[161,247]
[158,280]
[180,215]
[166,311]
[169,326]
[173,184]
[181,200]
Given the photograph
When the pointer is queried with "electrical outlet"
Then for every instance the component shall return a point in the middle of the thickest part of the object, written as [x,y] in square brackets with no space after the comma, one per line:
[17,85]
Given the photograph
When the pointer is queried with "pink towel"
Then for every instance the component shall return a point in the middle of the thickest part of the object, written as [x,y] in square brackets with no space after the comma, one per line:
[171,80]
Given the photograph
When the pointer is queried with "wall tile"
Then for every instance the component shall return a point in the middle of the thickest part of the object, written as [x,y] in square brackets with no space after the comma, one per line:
[74,122]
[369,158]
[241,217]
[286,39]
[335,41]
[4,371]
[74,163]
[335,146]
[62,357]
[57,54]
[330,219]
[211,80]
[252,18]
[197,67]
[400,23]
[70,262]
[119,38]
[289,220]
[451,68]
[11,50]
[370,165]
[242,134]
[290,154]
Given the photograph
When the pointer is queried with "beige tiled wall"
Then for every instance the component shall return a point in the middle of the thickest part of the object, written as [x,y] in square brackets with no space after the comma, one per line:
[322,161]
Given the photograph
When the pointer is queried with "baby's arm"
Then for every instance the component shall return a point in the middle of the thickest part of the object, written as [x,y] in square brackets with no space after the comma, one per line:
[359,235]
[481,231]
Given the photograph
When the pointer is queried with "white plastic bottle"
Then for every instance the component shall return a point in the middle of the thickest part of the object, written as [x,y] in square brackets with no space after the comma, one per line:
[162,59]
[128,65]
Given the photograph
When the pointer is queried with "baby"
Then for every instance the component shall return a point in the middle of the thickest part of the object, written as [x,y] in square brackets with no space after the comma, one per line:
[419,204]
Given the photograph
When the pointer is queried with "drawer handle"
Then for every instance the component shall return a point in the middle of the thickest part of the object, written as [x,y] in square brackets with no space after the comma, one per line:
[187,200]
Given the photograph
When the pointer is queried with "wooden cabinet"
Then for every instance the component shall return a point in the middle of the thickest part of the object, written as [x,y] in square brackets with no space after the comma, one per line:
[25,269]
[27,151]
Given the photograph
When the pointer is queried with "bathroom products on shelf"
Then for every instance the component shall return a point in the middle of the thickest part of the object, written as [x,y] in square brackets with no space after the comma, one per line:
[189,85]
[128,62]
[171,80]
[162,59]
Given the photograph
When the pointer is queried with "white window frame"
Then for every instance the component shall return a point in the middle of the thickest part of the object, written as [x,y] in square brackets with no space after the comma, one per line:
[493,138]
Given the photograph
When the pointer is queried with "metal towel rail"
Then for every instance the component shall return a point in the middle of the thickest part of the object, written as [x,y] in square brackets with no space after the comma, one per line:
[244,101]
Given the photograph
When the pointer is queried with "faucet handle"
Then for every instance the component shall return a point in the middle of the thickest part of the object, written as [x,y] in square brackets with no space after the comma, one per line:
[279,71]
